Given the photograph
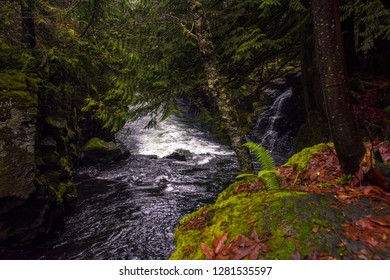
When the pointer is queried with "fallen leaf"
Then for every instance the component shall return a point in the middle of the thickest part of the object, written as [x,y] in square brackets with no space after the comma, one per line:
[385,223]
[372,242]
[255,236]
[296,255]
[218,245]
[341,244]
[209,253]
[315,229]
[364,224]
[373,190]
[319,256]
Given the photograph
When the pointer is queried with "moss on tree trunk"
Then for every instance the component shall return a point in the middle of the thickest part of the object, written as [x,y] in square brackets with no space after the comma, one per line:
[216,87]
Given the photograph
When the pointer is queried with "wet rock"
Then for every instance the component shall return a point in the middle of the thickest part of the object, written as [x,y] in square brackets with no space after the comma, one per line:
[18,113]
[180,155]
[48,144]
[35,175]
[99,151]
[124,156]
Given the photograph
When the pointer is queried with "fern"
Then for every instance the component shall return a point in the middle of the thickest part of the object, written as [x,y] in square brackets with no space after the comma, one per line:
[267,172]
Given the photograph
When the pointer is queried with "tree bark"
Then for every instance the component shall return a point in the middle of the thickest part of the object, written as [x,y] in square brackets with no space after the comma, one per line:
[330,57]
[217,88]
[28,25]
[311,80]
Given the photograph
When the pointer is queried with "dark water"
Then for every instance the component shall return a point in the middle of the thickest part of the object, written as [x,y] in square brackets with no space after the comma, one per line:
[129,210]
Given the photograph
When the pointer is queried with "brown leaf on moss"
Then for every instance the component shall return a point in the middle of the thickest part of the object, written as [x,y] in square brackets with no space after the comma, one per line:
[198,222]
[319,256]
[315,229]
[247,188]
[238,248]
[209,253]
[296,255]
[219,242]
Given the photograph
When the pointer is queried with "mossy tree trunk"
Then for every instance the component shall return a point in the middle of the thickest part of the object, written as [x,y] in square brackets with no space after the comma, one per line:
[331,62]
[217,88]
[28,25]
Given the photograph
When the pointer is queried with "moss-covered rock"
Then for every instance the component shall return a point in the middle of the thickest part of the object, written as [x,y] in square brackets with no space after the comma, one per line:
[300,160]
[292,224]
[288,222]
[99,151]
[18,115]
[36,188]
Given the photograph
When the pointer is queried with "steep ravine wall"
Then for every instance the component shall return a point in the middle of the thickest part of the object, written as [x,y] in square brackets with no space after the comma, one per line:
[36,188]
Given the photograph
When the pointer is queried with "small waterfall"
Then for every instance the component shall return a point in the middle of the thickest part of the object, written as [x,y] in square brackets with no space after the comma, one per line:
[276,127]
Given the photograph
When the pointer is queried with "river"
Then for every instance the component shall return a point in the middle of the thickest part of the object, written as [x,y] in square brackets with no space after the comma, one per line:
[129,210]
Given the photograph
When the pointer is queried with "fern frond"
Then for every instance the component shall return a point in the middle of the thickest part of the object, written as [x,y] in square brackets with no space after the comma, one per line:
[270,179]
[247,176]
[267,171]
[262,156]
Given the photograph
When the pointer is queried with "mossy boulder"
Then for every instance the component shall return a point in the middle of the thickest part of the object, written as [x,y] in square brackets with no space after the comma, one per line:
[18,115]
[36,188]
[99,151]
[300,160]
[290,224]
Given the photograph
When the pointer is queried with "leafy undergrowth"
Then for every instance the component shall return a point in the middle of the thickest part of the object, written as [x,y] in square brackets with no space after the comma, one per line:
[319,214]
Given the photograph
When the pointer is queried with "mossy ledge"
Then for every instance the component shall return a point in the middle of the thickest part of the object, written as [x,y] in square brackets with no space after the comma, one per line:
[291,223]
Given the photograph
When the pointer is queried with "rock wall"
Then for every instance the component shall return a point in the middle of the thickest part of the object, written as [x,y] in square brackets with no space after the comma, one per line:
[36,188]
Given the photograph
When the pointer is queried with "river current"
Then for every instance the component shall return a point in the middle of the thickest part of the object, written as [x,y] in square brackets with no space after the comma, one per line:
[129,210]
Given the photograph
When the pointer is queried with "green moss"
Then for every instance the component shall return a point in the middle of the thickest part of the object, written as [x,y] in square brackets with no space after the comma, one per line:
[57,123]
[313,131]
[300,160]
[228,192]
[19,87]
[345,180]
[99,144]
[52,159]
[13,80]
[60,190]
[21,97]
[284,219]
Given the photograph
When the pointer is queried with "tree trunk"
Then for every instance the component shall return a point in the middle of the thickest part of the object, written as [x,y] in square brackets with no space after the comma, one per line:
[330,57]
[311,80]
[28,25]
[216,87]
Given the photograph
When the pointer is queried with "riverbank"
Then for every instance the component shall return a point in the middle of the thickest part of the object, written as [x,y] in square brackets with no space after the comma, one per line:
[316,215]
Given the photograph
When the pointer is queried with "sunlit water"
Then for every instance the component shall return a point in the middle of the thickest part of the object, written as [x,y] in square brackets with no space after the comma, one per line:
[129,210]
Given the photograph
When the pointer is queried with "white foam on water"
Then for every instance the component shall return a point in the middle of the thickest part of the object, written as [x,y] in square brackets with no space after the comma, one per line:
[169,136]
